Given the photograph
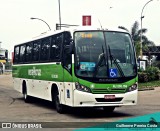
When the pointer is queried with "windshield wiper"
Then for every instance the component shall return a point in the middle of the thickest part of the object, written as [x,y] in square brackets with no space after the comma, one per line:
[100,60]
[113,60]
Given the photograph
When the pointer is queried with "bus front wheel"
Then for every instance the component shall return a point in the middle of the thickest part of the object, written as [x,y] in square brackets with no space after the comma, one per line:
[59,107]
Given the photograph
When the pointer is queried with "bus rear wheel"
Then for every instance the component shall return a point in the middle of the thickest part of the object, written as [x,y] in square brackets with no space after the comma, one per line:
[26,98]
[108,109]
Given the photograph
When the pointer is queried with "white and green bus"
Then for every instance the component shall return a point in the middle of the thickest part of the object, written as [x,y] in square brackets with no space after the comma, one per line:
[79,68]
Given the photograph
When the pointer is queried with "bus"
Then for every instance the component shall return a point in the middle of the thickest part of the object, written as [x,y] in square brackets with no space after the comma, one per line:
[78,68]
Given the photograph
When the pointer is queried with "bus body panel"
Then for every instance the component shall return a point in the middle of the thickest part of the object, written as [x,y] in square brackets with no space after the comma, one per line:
[68,93]
[42,89]
[36,88]
[39,78]
[17,84]
[82,99]
[122,96]
[39,85]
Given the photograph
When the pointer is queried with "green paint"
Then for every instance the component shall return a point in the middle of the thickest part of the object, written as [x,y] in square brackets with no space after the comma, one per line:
[102,88]
[49,72]
[53,72]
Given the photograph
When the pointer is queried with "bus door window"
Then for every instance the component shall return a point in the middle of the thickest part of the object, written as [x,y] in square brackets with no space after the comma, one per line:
[67,56]
[28,52]
[36,50]
[67,61]
[45,46]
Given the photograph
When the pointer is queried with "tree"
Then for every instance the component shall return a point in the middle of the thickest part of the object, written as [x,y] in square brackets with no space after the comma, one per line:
[136,36]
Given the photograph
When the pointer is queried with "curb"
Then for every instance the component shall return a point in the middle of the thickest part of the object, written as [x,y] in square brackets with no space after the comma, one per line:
[146,88]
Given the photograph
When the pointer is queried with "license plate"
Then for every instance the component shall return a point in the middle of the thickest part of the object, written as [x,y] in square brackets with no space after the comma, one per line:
[109,96]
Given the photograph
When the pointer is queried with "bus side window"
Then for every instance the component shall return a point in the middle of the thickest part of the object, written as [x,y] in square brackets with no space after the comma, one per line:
[45,46]
[55,50]
[28,52]
[59,44]
[36,50]
[16,54]
[22,54]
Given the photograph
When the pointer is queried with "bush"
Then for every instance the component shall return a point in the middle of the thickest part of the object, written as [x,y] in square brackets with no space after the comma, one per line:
[150,74]
[142,77]
[156,64]
[153,73]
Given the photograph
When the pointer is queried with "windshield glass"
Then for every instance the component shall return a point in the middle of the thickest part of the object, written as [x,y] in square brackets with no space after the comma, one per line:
[104,54]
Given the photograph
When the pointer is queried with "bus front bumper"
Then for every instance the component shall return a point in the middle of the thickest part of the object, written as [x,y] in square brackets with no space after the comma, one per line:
[83,99]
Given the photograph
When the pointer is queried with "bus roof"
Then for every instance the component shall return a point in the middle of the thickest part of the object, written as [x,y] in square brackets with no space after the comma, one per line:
[85,28]
[73,29]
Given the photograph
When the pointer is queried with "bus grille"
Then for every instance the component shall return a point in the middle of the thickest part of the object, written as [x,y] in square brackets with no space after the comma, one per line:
[108,91]
[109,100]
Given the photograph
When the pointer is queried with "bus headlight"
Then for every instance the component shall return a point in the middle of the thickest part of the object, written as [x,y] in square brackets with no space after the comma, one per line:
[82,88]
[132,88]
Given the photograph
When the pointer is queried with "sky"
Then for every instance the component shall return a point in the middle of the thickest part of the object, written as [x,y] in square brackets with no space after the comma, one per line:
[16,25]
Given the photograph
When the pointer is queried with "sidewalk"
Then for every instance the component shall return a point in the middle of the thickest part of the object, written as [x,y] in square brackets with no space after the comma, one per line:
[6,79]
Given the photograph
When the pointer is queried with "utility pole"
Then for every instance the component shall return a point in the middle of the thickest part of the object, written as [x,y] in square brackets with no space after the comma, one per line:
[59,14]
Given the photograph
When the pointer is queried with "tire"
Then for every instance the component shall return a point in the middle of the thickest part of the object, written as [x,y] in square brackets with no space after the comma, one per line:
[108,109]
[59,107]
[26,98]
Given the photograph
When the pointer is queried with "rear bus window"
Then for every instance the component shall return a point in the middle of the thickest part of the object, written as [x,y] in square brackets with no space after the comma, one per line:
[16,54]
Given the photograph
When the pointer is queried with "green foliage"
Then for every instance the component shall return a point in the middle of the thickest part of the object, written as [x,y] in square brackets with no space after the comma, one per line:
[156,64]
[150,74]
[149,84]
[142,77]
[136,36]
[153,73]
[137,47]
[136,33]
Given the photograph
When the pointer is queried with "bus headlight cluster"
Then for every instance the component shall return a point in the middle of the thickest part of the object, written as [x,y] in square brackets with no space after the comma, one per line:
[132,88]
[82,88]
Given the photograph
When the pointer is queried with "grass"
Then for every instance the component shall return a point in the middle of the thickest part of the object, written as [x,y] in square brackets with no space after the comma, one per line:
[149,84]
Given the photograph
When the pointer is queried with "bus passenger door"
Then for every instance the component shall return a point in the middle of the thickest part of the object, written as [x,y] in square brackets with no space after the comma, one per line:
[68,80]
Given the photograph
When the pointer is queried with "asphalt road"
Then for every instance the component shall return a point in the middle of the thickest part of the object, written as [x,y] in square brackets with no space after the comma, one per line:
[14,109]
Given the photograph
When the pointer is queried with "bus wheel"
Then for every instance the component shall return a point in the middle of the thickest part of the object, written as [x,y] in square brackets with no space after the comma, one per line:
[59,107]
[27,98]
[108,109]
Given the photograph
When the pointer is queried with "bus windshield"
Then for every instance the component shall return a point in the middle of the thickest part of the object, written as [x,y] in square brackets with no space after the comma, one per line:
[104,54]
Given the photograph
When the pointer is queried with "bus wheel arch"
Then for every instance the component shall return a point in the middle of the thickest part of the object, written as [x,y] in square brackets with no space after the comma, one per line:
[56,99]
[24,92]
